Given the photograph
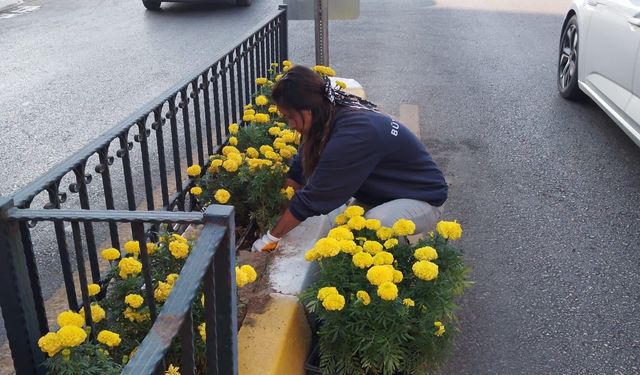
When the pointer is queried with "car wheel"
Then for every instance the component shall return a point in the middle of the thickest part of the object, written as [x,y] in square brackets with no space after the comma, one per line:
[568,62]
[243,3]
[151,5]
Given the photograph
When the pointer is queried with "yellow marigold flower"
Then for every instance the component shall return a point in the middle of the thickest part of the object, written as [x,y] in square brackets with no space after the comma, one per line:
[171,278]
[222,196]
[425,270]
[333,302]
[215,164]
[97,313]
[271,155]
[178,237]
[262,100]
[129,267]
[134,300]
[390,243]
[233,141]
[93,289]
[372,247]
[286,153]
[440,330]
[341,84]
[388,291]
[132,247]
[278,77]
[403,227]
[288,136]
[329,71]
[235,157]
[230,165]
[248,118]
[278,144]
[286,68]
[326,291]
[242,278]
[289,192]
[265,148]
[70,318]
[250,272]
[71,336]
[383,258]
[261,81]
[195,191]
[249,111]
[327,247]
[252,152]
[179,250]
[274,131]
[172,370]
[348,246]
[286,63]
[397,277]
[273,109]
[110,254]
[194,170]
[364,297]
[373,224]
[380,274]
[226,150]
[311,255]
[261,117]
[408,302]
[352,211]
[233,129]
[135,316]
[362,259]
[202,329]
[341,219]
[151,248]
[357,222]
[384,233]
[161,293]
[50,344]
[450,230]
[427,253]
[248,106]
[340,233]
[108,338]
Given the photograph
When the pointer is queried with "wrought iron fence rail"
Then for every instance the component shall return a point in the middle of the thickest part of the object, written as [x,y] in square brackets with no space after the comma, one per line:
[106,216]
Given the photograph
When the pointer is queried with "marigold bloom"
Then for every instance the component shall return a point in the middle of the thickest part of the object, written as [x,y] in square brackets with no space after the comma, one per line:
[50,344]
[408,302]
[233,128]
[384,233]
[357,222]
[261,81]
[110,254]
[352,211]
[265,148]
[134,300]
[380,274]
[403,227]
[286,153]
[388,291]
[161,293]
[194,170]
[97,313]
[172,370]
[230,165]
[383,258]
[261,117]
[440,329]
[202,329]
[326,291]
[373,224]
[278,77]
[427,253]
[134,316]
[171,278]
[179,250]
[233,141]
[132,247]
[425,270]
[372,247]
[70,318]
[341,219]
[226,150]
[273,109]
[362,260]
[151,248]
[327,247]
[129,267]
[340,233]
[364,297]
[93,289]
[262,100]
[242,278]
[450,230]
[334,302]
[397,277]
[108,338]
[289,192]
[311,255]
[222,196]
[248,118]
[390,243]
[252,152]
[71,336]
[286,63]
[348,246]
[341,84]
[250,272]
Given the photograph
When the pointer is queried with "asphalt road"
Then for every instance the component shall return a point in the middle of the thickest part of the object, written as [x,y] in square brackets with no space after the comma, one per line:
[547,190]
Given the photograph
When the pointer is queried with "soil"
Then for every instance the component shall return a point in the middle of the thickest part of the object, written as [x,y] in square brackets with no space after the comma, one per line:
[253,298]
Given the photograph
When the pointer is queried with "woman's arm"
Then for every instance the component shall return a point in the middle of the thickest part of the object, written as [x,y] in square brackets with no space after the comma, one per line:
[284,225]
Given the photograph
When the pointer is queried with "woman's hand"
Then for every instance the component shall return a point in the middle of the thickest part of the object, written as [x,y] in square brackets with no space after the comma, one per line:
[266,243]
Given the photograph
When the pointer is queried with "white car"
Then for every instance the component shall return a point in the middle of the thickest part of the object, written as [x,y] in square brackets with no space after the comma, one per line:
[600,56]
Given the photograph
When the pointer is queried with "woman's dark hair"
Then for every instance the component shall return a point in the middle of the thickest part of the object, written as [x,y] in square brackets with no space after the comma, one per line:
[303,89]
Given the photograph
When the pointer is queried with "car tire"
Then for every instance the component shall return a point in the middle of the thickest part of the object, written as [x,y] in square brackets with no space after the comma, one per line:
[243,3]
[151,5]
[568,61]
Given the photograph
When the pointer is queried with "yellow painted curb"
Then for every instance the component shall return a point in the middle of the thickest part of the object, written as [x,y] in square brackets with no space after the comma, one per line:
[275,342]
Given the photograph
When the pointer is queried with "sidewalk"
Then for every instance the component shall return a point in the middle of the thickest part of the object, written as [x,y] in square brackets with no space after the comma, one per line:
[7,3]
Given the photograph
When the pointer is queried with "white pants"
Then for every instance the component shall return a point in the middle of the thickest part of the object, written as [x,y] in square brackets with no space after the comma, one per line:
[424,215]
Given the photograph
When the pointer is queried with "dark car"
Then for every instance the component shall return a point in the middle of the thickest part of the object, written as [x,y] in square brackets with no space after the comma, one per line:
[155,5]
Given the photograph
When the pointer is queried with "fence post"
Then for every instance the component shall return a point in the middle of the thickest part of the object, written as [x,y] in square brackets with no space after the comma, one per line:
[16,297]
[284,35]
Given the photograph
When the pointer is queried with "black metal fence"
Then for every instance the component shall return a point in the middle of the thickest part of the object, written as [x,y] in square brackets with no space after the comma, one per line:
[124,185]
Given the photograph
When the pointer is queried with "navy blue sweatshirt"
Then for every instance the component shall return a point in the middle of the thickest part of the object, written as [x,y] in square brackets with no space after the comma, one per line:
[371,157]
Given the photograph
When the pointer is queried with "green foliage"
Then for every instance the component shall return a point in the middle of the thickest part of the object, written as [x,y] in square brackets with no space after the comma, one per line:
[87,359]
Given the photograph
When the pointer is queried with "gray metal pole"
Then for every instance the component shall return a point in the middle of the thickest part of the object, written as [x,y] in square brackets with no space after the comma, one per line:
[322,31]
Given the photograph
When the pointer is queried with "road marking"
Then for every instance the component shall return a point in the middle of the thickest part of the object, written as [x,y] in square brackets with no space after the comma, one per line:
[13,12]
[410,117]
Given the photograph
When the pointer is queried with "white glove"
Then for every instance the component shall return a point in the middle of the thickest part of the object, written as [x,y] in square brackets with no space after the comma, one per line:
[266,243]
